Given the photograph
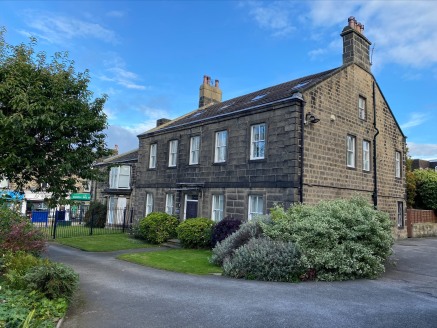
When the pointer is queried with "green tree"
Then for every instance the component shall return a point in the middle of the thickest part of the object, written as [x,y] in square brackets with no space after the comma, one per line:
[51,130]
[411,182]
[426,187]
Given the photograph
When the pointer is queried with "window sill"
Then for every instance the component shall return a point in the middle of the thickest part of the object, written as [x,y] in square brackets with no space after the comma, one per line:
[219,163]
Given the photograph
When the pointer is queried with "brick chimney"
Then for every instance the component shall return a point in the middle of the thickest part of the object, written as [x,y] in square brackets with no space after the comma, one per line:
[209,94]
[355,45]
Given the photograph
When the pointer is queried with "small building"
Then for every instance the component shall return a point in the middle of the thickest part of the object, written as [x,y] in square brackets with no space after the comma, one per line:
[328,135]
[118,188]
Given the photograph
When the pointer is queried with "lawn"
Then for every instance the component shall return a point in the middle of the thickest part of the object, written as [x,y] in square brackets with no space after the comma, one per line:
[192,261]
[104,243]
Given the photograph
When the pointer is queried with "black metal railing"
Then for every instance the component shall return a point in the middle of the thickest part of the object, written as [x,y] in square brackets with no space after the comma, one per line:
[82,222]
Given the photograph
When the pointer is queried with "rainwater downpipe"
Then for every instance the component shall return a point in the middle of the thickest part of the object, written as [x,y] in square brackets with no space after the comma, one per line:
[302,139]
[375,176]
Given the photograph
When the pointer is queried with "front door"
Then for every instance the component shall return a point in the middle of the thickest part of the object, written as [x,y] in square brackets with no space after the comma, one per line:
[191,202]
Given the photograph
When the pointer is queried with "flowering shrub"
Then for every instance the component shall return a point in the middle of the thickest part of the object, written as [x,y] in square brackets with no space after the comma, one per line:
[224,228]
[339,239]
[158,227]
[195,233]
[227,247]
[265,259]
[23,237]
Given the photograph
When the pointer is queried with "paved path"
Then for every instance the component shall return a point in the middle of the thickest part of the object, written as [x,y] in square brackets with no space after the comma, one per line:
[114,293]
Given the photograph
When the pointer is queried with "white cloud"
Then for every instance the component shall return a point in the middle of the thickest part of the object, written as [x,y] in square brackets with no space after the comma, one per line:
[272,17]
[124,138]
[115,13]
[116,72]
[422,151]
[414,120]
[402,32]
[58,29]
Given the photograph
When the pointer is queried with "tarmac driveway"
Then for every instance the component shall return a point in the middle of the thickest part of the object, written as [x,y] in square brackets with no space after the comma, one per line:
[114,293]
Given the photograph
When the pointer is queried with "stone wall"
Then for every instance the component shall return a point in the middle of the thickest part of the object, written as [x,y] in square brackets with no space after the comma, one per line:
[326,175]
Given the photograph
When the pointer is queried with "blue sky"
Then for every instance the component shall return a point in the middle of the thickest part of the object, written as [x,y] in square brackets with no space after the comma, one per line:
[149,57]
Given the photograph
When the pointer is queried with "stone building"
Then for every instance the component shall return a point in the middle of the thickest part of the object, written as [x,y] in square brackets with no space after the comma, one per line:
[323,136]
[418,164]
[117,189]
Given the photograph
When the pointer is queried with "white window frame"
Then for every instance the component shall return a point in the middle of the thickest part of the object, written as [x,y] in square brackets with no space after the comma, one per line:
[152,156]
[256,206]
[400,215]
[221,144]
[257,141]
[366,155]
[398,164]
[218,207]
[172,153]
[351,142]
[119,177]
[362,107]
[169,204]
[194,150]
[149,203]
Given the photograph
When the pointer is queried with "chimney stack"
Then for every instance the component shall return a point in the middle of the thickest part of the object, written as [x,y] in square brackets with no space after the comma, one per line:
[355,45]
[209,94]
[162,121]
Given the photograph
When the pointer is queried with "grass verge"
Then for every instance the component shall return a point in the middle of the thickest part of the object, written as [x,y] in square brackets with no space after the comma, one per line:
[104,243]
[192,261]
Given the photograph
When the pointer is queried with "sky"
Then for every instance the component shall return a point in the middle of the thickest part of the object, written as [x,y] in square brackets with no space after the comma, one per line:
[149,57]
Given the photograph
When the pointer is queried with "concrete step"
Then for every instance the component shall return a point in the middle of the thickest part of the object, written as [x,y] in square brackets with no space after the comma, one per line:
[172,243]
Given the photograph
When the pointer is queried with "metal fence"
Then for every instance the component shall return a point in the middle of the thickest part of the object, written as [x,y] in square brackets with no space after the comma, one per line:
[82,222]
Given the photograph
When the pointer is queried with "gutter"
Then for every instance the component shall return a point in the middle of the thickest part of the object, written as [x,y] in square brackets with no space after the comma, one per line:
[375,176]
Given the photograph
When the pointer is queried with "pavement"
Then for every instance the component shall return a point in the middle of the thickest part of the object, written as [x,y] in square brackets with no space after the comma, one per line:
[115,293]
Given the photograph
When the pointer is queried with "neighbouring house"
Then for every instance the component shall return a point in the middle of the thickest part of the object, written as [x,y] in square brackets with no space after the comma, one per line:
[323,136]
[424,164]
[117,189]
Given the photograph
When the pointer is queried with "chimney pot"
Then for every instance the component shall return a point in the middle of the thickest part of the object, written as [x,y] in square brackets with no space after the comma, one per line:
[216,83]
[205,79]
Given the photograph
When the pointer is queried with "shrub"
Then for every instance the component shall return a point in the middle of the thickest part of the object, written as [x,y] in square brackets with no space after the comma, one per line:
[224,228]
[265,259]
[158,227]
[195,233]
[8,218]
[96,215]
[17,304]
[339,239]
[426,189]
[54,280]
[16,265]
[226,248]
[23,237]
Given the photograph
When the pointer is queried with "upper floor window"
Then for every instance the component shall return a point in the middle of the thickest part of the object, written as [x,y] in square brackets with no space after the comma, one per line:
[362,107]
[398,164]
[221,141]
[169,203]
[152,156]
[217,207]
[119,177]
[257,141]
[350,157]
[173,153]
[256,206]
[366,155]
[149,203]
[194,150]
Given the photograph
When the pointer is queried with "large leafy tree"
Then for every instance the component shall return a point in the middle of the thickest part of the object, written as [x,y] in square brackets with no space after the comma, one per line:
[51,130]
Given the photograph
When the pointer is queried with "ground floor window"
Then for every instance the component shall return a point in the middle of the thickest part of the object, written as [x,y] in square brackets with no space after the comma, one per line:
[169,203]
[400,214]
[149,203]
[217,207]
[256,206]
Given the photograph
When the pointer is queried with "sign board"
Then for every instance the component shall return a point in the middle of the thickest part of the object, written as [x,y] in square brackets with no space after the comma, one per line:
[80,196]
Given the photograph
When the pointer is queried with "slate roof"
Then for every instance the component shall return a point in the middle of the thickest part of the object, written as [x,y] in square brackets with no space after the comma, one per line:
[130,156]
[249,101]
